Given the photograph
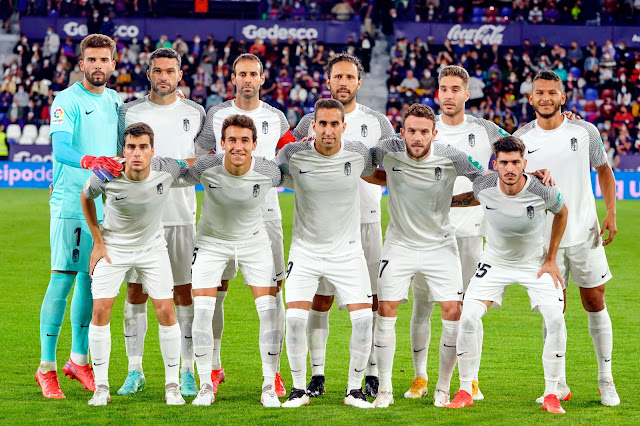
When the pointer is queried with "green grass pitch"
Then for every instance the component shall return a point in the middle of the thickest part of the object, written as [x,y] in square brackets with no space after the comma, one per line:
[510,375]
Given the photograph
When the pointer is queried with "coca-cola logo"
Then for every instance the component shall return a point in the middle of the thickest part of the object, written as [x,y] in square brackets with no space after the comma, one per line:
[486,34]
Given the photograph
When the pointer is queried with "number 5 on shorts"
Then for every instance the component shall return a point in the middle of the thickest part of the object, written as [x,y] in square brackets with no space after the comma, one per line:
[482,270]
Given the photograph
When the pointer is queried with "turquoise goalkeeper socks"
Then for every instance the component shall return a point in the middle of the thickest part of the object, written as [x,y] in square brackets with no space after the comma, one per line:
[81,309]
[52,314]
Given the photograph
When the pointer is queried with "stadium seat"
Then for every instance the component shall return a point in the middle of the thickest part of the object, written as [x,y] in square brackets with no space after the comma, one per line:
[607,93]
[477,15]
[43,140]
[590,106]
[26,140]
[44,130]
[30,131]
[591,94]
[506,12]
[13,133]
[575,72]
[492,15]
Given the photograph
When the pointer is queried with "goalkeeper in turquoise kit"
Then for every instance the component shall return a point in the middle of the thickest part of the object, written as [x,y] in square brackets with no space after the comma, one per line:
[84,123]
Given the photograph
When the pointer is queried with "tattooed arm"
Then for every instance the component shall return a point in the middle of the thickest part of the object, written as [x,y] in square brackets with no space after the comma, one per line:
[465,199]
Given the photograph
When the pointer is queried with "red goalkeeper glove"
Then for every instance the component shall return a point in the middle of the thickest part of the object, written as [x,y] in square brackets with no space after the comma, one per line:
[105,168]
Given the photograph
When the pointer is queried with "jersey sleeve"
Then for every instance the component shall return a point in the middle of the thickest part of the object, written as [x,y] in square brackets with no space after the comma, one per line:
[206,139]
[464,164]
[494,132]
[597,155]
[285,139]
[63,114]
[202,164]
[122,116]
[302,129]
[385,146]
[386,129]
[94,187]
[169,165]
[550,194]
[484,182]
[285,154]
[269,169]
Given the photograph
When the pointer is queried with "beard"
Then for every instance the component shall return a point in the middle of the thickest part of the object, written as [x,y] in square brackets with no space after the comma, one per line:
[94,81]
[248,95]
[420,154]
[547,116]
[352,96]
[170,90]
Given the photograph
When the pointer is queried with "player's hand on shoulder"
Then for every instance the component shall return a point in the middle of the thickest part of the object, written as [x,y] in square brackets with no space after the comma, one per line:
[105,168]
[571,115]
[545,176]
[99,252]
[551,267]
[609,224]
[311,138]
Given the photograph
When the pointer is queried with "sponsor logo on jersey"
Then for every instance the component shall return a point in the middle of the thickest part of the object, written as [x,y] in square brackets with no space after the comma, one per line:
[475,163]
[530,212]
[574,144]
[256,190]
[159,188]
[186,125]
[58,116]
[265,127]
[347,168]
[472,139]
[364,131]
[438,172]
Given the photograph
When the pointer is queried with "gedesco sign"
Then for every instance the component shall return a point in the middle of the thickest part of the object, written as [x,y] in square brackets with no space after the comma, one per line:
[487,34]
[73,29]
[252,32]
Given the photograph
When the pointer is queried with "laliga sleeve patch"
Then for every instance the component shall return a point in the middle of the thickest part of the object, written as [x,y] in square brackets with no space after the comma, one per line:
[57,116]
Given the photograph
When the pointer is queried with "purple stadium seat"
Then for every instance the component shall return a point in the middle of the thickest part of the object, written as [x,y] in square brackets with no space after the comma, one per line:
[575,72]
[591,94]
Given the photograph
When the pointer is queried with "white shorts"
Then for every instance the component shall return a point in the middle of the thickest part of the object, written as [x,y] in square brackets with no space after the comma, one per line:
[180,242]
[371,238]
[586,263]
[151,265]
[254,259]
[274,231]
[440,269]
[491,281]
[348,276]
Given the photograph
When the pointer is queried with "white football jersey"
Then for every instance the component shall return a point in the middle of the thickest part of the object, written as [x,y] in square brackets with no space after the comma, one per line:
[133,209]
[231,210]
[326,216]
[568,152]
[475,136]
[420,192]
[516,223]
[271,125]
[175,128]
[369,127]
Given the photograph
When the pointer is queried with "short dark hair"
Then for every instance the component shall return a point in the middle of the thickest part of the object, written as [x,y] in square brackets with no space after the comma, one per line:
[420,110]
[508,144]
[455,71]
[550,76]
[343,57]
[139,129]
[98,41]
[328,103]
[239,120]
[247,57]
[166,52]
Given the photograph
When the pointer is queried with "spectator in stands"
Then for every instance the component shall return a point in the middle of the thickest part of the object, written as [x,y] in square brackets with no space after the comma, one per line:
[107,28]
[607,109]
[535,15]
[410,82]
[163,42]
[366,50]
[51,44]
[622,118]
[624,142]
[342,11]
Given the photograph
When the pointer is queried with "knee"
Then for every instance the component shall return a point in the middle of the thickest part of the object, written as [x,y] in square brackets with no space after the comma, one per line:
[322,303]
[387,309]
[166,314]
[593,301]
[182,295]
[135,296]
[450,311]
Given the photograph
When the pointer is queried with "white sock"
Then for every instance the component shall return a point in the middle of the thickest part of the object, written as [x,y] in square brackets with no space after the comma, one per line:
[420,331]
[467,342]
[359,346]
[555,345]
[563,374]
[169,337]
[602,336]
[269,338]
[135,330]
[384,340]
[317,334]
[372,362]
[46,366]
[203,311]
[297,346]
[218,328]
[185,321]
[280,322]
[79,359]
[100,345]
[447,354]
[479,339]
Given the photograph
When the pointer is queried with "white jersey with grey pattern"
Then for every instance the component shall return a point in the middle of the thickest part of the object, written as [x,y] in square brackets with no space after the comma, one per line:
[516,223]
[475,136]
[326,217]
[420,192]
[133,209]
[271,125]
[369,127]
[175,128]
[569,152]
[231,210]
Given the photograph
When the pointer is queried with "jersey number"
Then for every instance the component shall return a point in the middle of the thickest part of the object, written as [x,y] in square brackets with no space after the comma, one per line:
[383,264]
[75,255]
[289,268]
[482,270]
[77,231]
[195,253]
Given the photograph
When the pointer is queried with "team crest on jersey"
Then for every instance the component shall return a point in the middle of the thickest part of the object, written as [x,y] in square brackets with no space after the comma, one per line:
[186,125]
[530,212]
[347,168]
[265,127]
[472,139]
[364,131]
[574,144]
[438,173]
[159,188]
[256,190]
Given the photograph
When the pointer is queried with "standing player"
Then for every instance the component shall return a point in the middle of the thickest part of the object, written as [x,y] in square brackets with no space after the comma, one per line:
[232,230]
[569,149]
[176,122]
[420,240]
[132,237]
[273,131]
[369,127]
[326,243]
[516,205]
[474,136]
[83,124]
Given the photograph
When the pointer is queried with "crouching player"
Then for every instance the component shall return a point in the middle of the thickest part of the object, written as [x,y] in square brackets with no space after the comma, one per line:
[132,237]
[514,204]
